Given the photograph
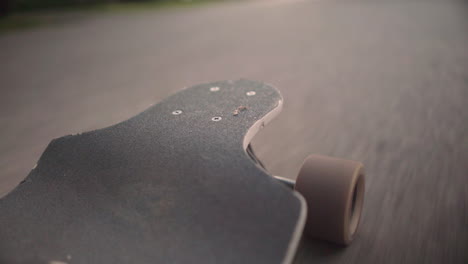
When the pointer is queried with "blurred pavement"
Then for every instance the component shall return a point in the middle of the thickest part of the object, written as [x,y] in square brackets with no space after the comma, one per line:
[384,82]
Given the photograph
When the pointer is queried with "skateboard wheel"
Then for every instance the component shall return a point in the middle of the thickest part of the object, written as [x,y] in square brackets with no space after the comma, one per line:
[334,192]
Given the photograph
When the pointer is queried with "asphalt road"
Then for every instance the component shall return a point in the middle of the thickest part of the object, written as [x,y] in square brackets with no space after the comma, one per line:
[384,82]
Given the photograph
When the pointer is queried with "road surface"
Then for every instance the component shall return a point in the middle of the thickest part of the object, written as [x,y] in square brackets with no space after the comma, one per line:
[384,82]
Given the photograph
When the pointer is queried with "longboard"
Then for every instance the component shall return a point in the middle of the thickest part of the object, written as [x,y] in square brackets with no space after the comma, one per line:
[174,184]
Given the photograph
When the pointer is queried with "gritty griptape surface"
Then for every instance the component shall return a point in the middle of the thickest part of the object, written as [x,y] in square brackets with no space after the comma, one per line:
[170,185]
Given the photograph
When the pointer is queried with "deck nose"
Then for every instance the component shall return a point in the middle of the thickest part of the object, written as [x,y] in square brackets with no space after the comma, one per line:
[217,110]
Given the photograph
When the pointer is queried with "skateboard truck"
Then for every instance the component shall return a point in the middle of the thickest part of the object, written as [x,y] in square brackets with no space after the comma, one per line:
[288,182]
[334,191]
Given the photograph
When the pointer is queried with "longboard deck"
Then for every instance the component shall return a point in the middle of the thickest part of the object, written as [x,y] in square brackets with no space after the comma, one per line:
[173,184]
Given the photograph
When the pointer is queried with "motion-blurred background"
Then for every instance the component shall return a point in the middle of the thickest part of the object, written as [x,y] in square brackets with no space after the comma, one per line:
[384,82]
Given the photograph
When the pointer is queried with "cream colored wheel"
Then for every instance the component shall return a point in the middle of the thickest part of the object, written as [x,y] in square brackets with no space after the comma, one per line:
[334,192]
